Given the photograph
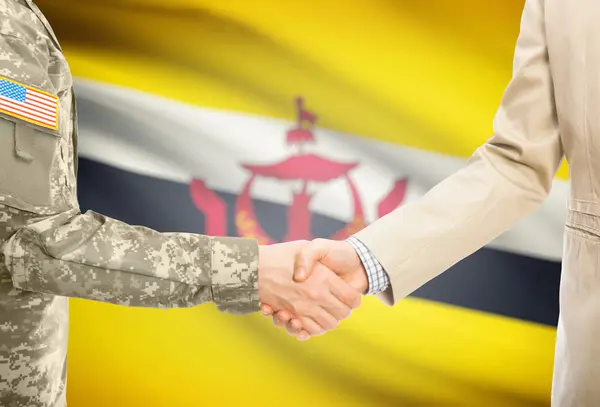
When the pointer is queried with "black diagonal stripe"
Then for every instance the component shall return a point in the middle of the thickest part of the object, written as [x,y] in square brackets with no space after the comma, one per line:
[490,280]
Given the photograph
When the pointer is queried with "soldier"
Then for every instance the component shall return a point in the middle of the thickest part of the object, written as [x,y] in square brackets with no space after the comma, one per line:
[51,251]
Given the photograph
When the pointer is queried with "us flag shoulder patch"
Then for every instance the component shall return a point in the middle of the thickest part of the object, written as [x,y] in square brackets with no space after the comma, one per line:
[26,103]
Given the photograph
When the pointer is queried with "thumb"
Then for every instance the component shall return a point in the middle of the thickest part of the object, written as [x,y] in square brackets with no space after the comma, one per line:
[306,258]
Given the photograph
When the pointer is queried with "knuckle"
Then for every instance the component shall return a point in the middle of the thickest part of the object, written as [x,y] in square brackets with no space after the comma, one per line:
[346,299]
[317,243]
[324,277]
[314,294]
[301,308]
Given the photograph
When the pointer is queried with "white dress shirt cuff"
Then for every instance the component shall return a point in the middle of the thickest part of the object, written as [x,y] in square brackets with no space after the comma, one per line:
[378,279]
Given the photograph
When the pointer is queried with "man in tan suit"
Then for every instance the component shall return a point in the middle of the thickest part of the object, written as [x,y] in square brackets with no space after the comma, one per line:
[551,109]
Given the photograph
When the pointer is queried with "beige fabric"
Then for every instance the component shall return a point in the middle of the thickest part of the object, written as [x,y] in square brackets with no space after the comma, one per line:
[550,110]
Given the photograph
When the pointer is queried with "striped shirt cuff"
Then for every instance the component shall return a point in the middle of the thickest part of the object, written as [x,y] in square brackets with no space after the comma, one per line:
[378,279]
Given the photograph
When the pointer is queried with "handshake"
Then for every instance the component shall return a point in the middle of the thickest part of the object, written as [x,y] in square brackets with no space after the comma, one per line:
[310,286]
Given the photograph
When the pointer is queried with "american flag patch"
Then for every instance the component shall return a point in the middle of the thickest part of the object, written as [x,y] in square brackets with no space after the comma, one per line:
[25,103]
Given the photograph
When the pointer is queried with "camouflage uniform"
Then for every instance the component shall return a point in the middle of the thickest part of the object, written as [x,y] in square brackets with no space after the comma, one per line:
[51,251]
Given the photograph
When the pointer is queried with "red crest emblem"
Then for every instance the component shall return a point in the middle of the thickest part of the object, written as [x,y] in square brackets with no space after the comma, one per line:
[306,168]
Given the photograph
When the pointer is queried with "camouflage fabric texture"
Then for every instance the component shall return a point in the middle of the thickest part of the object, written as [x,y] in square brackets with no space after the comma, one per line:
[50,251]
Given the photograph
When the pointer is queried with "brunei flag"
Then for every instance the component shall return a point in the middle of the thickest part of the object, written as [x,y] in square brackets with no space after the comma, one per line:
[294,120]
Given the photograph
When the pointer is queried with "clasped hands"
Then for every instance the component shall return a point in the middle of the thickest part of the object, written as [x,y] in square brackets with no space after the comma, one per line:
[308,287]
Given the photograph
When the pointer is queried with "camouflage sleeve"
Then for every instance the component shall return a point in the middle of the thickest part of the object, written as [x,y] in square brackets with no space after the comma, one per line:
[95,257]
[47,244]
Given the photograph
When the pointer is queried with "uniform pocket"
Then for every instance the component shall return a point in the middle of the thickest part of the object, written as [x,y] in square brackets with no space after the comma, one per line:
[27,154]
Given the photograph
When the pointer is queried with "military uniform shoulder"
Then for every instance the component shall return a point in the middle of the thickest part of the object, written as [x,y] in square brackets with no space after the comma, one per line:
[25,55]
[19,21]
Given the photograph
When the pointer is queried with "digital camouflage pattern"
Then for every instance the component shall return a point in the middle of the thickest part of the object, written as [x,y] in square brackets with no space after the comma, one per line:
[51,251]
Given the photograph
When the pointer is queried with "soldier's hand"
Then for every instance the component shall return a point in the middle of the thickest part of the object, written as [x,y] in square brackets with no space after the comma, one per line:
[318,304]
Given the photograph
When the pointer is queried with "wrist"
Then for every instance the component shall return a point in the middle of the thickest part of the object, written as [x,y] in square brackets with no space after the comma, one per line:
[272,275]
[260,274]
[361,280]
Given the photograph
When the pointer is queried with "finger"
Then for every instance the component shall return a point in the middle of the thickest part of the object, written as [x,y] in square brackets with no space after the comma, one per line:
[266,310]
[311,327]
[319,315]
[337,309]
[308,257]
[303,336]
[343,292]
[281,318]
[294,327]
[321,294]
[334,308]
[277,323]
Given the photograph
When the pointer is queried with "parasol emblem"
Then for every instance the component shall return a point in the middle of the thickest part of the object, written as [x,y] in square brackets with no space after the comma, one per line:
[312,171]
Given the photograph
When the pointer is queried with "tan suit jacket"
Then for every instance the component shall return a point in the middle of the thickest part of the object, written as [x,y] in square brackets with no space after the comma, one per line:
[550,110]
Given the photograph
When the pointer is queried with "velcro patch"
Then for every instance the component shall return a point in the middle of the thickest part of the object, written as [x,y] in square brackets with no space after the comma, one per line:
[26,103]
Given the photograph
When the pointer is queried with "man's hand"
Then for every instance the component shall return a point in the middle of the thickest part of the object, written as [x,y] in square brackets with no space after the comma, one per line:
[338,256]
[317,304]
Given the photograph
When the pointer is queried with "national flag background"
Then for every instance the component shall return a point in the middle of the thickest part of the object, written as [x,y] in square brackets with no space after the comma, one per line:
[177,99]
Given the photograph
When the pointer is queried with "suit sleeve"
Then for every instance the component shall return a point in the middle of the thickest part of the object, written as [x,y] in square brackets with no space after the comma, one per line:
[505,180]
